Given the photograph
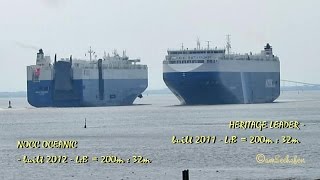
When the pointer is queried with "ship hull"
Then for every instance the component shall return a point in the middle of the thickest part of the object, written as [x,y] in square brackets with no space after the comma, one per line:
[193,88]
[85,92]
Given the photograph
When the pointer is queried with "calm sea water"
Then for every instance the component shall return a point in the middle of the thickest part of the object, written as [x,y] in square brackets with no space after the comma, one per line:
[146,129]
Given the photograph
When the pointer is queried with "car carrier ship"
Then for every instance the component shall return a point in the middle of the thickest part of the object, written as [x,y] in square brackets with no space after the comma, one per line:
[214,76]
[112,80]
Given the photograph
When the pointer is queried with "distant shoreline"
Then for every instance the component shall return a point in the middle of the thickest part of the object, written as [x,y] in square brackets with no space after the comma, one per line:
[167,91]
[13,94]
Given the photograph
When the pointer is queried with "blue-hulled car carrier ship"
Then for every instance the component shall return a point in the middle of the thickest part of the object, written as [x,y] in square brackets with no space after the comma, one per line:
[113,80]
[212,76]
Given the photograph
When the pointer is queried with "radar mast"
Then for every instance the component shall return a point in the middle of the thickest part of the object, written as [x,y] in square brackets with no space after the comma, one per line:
[198,43]
[91,53]
[208,42]
[228,44]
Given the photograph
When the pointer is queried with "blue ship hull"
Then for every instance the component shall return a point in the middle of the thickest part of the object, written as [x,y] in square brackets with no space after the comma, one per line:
[223,87]
[85,92]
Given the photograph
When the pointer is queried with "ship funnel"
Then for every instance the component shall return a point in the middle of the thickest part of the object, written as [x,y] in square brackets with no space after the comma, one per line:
[40,55]
[71,59]
[268,49]
[55,58]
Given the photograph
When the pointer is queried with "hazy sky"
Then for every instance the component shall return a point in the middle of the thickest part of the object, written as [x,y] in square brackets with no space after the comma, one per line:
[146,28]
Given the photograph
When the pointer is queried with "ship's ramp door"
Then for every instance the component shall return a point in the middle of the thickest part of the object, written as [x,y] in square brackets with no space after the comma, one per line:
[63,82]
